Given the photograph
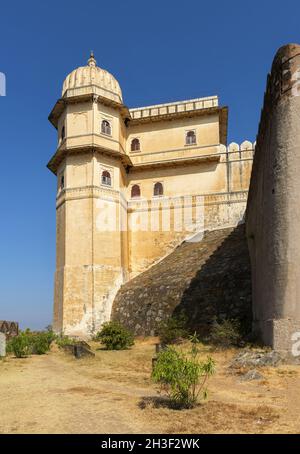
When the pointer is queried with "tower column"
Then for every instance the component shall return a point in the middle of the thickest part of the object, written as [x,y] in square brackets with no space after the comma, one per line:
[91,259]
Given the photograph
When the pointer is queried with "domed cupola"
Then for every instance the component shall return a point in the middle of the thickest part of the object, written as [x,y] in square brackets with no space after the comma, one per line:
[92,79]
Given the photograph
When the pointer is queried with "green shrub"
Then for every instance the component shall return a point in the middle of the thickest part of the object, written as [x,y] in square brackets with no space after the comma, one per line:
[182,376]
[41,342]
[19,345]
[173,329]
[62,340]
[226,333]
[30,342]
[115,336]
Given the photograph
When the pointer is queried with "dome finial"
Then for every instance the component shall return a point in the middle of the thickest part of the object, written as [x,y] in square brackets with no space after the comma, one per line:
[91,60]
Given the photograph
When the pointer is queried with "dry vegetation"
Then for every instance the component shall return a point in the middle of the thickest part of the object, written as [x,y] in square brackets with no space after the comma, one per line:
[113,393]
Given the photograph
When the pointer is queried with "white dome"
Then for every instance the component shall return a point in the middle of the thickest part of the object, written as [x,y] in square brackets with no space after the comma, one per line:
[91,74]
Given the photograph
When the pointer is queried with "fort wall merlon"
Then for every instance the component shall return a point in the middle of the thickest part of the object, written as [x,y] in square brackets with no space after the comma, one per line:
[273,210]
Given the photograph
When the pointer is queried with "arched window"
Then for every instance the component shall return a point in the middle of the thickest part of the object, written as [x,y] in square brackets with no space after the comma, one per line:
[106,178]
[106,127]
[190,138]
[135,145]
[158,189]
[63,133]
[135,191]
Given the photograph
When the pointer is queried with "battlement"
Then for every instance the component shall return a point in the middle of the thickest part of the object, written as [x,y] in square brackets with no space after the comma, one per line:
[235,151]
[188,105]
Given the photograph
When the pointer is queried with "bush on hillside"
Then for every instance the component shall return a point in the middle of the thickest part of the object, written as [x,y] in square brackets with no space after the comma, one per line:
[115,336]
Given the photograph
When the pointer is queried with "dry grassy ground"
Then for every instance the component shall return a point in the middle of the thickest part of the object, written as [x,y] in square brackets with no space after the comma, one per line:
[112,393]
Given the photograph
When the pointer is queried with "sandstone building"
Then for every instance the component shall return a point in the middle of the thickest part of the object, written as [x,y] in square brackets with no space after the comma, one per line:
[132,184]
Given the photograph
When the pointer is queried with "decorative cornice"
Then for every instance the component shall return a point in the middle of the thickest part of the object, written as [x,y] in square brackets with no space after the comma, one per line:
[135,154]
[181,200]
[176,162]
[64,151]
[93,97]
[99,192]
[88,192]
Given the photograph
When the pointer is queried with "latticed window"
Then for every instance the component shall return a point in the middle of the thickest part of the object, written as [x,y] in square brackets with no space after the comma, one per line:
[158,189]
[135,191]
[106,178]
[106,127]
[190,138]
[135,145]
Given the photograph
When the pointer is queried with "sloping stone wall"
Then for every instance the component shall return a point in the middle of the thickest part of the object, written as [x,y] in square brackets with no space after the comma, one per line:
[207,279]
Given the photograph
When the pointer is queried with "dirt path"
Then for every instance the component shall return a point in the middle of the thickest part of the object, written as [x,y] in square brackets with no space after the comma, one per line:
[112,393]
[49,395]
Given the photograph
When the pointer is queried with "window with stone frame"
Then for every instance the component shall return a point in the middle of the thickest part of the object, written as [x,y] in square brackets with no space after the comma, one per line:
[190,138]
[106,178]
[63,133]
[135,191]
[62,182]
[135,145]
[158,189]
[106,127]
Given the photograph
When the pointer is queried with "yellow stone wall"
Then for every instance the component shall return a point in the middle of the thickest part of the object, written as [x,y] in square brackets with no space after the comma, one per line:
[167,138]
[95,255]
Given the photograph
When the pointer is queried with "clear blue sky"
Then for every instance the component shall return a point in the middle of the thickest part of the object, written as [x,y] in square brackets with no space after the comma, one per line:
[159,51]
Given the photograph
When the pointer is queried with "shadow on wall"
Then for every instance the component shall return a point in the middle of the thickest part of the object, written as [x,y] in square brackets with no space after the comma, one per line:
[221,288]
[206,280]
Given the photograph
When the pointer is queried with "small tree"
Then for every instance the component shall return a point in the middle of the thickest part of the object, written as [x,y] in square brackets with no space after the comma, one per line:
[115,336]
[226,333]
[173,329]
[182,376]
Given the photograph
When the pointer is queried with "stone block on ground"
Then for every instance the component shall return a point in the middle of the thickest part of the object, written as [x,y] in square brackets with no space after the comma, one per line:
[255,359]
[79,349]
[2,345]
[252,374]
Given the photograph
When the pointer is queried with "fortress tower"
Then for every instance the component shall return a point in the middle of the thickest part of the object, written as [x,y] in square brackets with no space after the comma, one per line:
[90,164]
[115,168]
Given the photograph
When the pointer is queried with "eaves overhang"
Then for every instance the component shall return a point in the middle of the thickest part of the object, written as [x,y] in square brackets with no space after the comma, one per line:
[62,152]
[63,102]
[177,162]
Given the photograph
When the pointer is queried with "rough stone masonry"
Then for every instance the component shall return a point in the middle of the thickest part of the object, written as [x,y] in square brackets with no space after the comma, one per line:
[273,210]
